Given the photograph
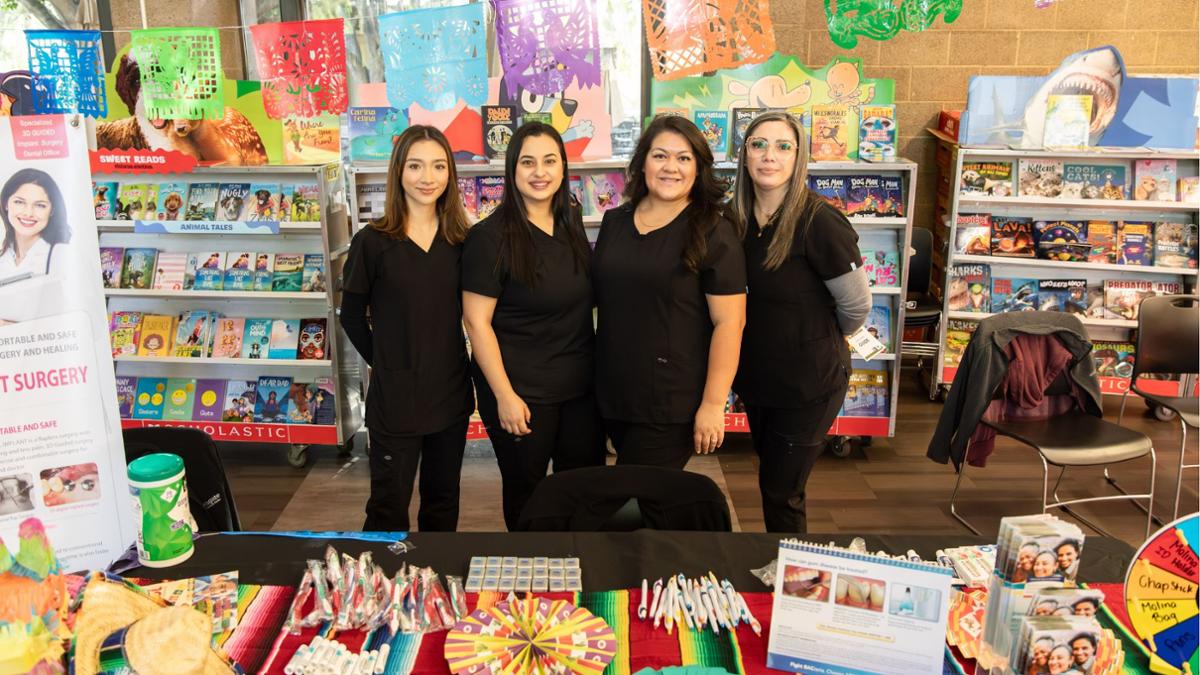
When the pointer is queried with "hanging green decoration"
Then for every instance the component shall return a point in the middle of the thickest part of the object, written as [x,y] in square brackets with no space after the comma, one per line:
[181,72]
[883,19]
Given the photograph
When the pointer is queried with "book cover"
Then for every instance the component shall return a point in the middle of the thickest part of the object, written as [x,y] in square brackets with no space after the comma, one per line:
[210,271]
[112,260]
[970,289]
[192,334]
[1038,177]
[1062,240]
[149,202]
[210,395]
[714,127]
[256,340]
[725,178]
[1188,189]
[138,269]
[466,191]
[987,178]
[877,133]
[324,400]
[886,269]
[543,117]
[126,393]
[830,188]
[1102,241]
[104,199]
[284,338]
[879,324]
[1113,359]
[313,140]
[202,201]
[239,271]
[491,192]
[264,271]
[958,334]
[604,191]
[180,399]
[298,404]
[232,201]
[1014,295]
[1068,120]
[172,201]
[1122,297]
[499,125]
[288,272]
[306,203]
[1135,243]
[240,397]
[1154,180]
[130,204]
[577,191]
[313,279]
[271,399]
[1094,181]
[373,131]
[739,121]
[1013,237]
[1063,295]
[891,197]
[830,133]
[1175,245]
[151,395]
[287,194]
[868,264]
[371,199]
[263,202]
[973,234]
[227,342]
[312,339]
[124,329]
[867,395]
[170,271]
[861,195]
[157,331]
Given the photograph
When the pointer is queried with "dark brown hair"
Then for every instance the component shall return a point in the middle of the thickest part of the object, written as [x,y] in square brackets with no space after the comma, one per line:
[452,217]
[57,231]
[707,192]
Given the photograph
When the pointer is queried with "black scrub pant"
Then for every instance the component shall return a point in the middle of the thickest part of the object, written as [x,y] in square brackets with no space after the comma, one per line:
[567,434]
[652,444]
[788,442]
[394,460]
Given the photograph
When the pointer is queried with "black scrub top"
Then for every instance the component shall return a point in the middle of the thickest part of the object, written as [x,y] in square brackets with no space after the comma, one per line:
[419,382]
[793,351]
[545,332]
[654,328]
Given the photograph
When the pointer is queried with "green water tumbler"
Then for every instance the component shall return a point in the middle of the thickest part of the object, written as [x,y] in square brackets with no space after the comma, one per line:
[160,505]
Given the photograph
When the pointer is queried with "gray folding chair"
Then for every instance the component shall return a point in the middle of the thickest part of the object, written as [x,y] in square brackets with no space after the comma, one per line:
[1168,342]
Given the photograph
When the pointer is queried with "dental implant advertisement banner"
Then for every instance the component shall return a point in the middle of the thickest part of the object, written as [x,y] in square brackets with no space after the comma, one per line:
[61,456]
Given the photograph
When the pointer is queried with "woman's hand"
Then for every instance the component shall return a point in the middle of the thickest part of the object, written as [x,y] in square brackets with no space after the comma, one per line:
[514,414]
[709,430]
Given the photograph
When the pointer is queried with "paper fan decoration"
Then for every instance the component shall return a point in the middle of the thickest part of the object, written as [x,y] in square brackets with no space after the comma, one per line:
[1161,594]
[534,635]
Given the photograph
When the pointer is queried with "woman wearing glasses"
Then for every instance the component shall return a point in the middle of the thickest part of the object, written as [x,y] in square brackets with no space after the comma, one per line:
[807,292]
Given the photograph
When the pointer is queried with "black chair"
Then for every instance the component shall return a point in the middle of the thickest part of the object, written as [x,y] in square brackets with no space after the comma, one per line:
[209,495]
[625,498]
[1168,343]
[921,310]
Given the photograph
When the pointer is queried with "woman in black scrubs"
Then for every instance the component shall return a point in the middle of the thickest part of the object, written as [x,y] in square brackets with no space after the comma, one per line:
[405,268]
[670,282]
[807,292]
[527,306]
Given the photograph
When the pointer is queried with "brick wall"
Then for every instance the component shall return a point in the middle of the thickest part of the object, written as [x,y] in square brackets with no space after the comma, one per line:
[995,37]
[126,16]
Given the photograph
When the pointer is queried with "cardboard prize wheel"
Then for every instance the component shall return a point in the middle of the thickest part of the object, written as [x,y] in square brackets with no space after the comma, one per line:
[1161,596]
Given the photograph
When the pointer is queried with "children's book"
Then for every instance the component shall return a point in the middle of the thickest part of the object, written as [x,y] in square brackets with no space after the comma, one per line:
[239,271]
[288,274]
[299,411]
[1014,295]
[263,202]
[862,193]
[987,178]
[1188,189]
[375,203]
[891,197]
[151,396]
[138,270]
[973,234]
[287,195]
[491,192]
[210,395]
[130,201]
[1113,359]
[180,399]
[499,125]
[1094,181]
[830,188]
[149,202]
[256,340]
[725,178]
[1013,237]
[227,343]
[879,324]
[1122,297]
[1175,245]
[543,117]
[1038,177]
[958,334]
[1062,240]
[868,264]
[284,338]
[240,396]
[604,191]
[170,271]
[577,191]
[1102,241]
[306,203]
[264,271]
[1068,120]
[202,201]
[1063,295]
[970,289]
[739,122]
[372,199]
[124,329]
[324,401]
[112,259]
[830,133]
[172,201]
[886,269]
[1154,180]
[157,331]
[313,280]
[104,199]
[877,133]
[210,271]
[867,395]
[271,399]
[312,339]
[714,127]
[1135,243]
[126,393]
[232,201]
[193,334]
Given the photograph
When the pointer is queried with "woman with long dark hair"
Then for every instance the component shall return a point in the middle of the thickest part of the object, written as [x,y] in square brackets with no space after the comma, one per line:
[527,306]
[405,268]
[34,216]
[670,282]
[807,292]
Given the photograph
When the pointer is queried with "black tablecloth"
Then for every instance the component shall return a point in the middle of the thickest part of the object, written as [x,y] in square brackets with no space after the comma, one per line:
[609,560]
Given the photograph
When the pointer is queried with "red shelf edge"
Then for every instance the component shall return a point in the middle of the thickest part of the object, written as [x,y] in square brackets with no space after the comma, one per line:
[307,434]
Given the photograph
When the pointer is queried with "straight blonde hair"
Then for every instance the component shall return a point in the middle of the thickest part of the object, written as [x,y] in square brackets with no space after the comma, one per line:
[796,211]
[452,217]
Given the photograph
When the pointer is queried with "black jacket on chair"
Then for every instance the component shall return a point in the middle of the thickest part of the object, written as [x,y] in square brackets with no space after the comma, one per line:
[985,363]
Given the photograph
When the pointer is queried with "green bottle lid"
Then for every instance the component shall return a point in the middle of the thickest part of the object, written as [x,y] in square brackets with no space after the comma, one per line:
[155,467]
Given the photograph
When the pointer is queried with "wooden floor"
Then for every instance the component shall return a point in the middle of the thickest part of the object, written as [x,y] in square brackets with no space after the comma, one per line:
[887,487]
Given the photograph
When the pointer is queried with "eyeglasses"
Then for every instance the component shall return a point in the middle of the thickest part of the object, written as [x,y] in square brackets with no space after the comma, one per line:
[759,146]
